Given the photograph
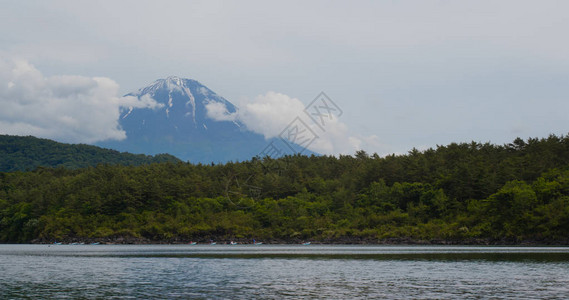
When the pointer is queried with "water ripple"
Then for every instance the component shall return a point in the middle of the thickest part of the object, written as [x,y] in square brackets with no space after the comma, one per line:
[276,272]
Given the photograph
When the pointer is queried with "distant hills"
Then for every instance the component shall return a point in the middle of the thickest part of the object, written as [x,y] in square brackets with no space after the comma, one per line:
[181,126]
[19,153]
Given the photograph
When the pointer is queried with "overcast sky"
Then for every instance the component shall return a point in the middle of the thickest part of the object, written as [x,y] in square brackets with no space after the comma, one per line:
[405,73]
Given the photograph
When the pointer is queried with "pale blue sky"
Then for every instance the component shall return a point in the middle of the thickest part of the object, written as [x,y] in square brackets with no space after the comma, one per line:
[413,73]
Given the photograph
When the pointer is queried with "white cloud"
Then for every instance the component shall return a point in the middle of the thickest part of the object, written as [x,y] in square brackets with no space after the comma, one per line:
[338,139]
[64,108]
[271,113]
[218,111]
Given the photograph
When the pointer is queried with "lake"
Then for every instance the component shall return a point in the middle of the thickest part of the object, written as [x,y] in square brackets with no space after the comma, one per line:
[282,271]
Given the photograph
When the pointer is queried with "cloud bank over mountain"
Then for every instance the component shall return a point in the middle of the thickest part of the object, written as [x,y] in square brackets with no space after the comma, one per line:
[81,109]
[271,113]
[67,108]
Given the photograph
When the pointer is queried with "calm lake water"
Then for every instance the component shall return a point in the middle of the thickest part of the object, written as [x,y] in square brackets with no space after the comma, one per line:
[276,272]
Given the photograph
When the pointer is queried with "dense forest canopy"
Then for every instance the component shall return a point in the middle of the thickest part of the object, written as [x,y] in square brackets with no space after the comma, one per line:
[26,153]
[460,193]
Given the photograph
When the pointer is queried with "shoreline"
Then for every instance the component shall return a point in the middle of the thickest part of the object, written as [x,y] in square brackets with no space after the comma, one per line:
[337,241]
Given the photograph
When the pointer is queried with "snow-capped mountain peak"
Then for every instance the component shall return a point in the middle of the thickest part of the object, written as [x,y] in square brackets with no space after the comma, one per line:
[186,98]
[182,127]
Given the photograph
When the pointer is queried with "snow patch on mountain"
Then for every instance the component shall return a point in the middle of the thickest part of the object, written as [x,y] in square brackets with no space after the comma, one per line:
[130,108]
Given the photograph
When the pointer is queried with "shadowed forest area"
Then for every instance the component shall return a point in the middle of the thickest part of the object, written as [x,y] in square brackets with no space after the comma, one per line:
[26,153]
[459,193]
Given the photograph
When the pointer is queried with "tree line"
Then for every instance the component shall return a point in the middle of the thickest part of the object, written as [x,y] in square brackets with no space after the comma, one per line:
[457,193]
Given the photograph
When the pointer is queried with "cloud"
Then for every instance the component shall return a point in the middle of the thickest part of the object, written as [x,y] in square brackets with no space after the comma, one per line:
[218,111]
[271,113]
[338,139]
[66,108]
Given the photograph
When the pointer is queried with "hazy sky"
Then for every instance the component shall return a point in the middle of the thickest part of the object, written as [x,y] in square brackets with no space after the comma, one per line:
[405,73]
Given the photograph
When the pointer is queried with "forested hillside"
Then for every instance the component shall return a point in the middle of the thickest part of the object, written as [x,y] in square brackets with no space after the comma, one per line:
[459,193]
[19,153]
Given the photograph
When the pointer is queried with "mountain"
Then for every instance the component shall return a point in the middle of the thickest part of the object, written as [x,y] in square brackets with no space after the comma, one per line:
[22,153]
[181,127]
